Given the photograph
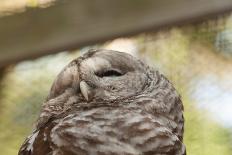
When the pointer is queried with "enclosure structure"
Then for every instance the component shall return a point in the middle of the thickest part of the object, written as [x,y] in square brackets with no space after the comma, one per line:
[69,24]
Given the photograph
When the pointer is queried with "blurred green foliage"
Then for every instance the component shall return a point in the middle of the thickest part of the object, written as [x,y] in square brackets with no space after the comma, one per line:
[9,7]
[24,88]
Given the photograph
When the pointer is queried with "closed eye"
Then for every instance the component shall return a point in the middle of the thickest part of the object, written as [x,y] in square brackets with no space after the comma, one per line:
[109,73]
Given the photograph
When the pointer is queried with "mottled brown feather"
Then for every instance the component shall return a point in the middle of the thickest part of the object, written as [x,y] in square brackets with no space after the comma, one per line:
[134,112]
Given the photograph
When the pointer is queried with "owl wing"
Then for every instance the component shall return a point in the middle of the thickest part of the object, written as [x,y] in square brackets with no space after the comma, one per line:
[104,131]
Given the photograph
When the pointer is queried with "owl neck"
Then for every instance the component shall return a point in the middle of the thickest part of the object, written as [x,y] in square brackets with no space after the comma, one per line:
[162,100]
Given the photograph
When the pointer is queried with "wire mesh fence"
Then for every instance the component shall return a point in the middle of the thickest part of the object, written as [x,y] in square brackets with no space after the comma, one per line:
[196,58]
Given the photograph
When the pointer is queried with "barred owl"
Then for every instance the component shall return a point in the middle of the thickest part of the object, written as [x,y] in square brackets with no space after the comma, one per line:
[109,103]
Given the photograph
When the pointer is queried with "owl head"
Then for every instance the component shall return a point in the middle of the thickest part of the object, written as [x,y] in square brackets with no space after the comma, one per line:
[102,75]
[111,78]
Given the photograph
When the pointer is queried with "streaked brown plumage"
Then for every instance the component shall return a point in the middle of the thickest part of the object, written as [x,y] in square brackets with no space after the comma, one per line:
[109,103]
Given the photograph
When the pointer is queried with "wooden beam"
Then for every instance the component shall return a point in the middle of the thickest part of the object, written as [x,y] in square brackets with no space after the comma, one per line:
[70,24]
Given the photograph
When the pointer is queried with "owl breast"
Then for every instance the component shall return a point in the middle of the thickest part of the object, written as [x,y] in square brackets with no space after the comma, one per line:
[110,131]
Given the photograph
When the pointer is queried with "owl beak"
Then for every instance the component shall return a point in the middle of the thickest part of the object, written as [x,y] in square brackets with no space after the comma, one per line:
[85,90]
